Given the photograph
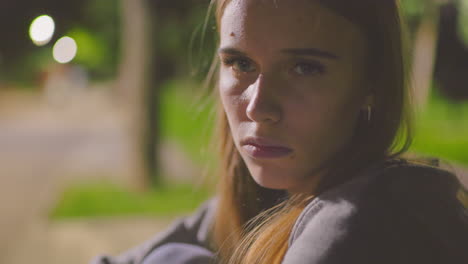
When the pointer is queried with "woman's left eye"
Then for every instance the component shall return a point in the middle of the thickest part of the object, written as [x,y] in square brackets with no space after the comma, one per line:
[308,68]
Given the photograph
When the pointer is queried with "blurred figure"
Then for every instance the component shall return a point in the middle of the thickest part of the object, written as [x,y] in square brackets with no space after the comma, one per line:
[62,83]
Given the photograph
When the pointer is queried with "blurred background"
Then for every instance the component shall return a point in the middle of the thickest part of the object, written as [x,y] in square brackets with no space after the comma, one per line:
[105,123]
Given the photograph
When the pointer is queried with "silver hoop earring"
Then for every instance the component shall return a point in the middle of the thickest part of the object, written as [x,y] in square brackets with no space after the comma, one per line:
[369,113]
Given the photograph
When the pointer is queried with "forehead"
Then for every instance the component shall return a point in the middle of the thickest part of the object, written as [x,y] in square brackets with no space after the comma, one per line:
[286,24]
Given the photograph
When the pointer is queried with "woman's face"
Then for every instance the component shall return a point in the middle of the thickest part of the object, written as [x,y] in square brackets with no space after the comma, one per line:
[292,83]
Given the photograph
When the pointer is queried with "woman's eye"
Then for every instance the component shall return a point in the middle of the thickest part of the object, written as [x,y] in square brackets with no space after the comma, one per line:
[308,68]
[240,65]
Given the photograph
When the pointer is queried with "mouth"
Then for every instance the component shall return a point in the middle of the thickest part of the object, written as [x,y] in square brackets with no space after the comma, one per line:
[261,148]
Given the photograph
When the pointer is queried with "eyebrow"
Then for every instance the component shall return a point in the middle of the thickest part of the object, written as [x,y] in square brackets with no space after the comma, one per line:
[231,51]
[311,52]
[298,52]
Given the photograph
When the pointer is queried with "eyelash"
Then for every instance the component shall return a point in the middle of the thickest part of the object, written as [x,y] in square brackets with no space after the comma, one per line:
[314,67]
[231,62]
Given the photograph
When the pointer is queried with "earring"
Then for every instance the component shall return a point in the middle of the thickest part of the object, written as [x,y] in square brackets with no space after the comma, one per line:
[369,113]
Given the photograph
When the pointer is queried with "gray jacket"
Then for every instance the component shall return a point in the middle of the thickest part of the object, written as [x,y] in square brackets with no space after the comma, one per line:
[402,213]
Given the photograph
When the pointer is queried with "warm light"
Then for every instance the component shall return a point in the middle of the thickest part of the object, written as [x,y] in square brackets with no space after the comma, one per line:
[65,50]
[41,30]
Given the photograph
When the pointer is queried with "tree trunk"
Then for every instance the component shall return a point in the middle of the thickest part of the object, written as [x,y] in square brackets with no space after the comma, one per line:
[132,85]
[424,54]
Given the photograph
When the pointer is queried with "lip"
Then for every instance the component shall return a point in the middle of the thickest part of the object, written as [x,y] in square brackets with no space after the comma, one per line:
[261,148]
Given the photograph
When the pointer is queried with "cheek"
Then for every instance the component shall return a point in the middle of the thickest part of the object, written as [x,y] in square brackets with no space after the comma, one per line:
[321,117]
[230,88]
[232,100]
[225,87]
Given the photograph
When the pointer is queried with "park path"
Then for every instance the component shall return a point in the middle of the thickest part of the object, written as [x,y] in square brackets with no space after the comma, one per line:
[44,147]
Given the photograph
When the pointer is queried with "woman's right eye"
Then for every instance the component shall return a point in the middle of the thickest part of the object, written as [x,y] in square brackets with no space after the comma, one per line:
[240,65]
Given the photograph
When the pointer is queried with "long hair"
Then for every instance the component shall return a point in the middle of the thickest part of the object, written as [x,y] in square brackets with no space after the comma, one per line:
[252,223]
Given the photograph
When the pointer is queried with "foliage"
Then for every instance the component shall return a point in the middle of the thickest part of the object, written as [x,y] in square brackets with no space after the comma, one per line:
[463,20]
[98,38]
[93,52]
[442,129]
[30,69]
[413,8]
[105,199]
[184,48]
[95,24]
[188,119]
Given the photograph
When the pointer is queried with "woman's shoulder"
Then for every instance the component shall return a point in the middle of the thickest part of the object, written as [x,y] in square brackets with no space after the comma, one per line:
[400,181]
[420,190]
[188,236]
[417,176]
[387,208]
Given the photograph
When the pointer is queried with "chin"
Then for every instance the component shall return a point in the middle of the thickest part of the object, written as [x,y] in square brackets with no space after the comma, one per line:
[271,177]
[271,181]
[278,179]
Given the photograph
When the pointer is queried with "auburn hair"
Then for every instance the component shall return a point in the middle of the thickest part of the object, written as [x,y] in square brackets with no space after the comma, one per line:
[252,223]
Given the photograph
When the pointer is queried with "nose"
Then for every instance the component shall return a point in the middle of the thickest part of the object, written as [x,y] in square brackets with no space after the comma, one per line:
[263,107]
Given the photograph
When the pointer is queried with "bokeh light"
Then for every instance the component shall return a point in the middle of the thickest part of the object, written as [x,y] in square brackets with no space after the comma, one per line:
[41,30]
[65,50]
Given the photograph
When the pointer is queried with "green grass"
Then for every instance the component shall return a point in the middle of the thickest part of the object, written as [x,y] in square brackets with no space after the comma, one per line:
[442,130]
[105,199]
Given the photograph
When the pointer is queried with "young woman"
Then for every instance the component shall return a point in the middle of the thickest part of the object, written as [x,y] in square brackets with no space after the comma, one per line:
[312,123]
